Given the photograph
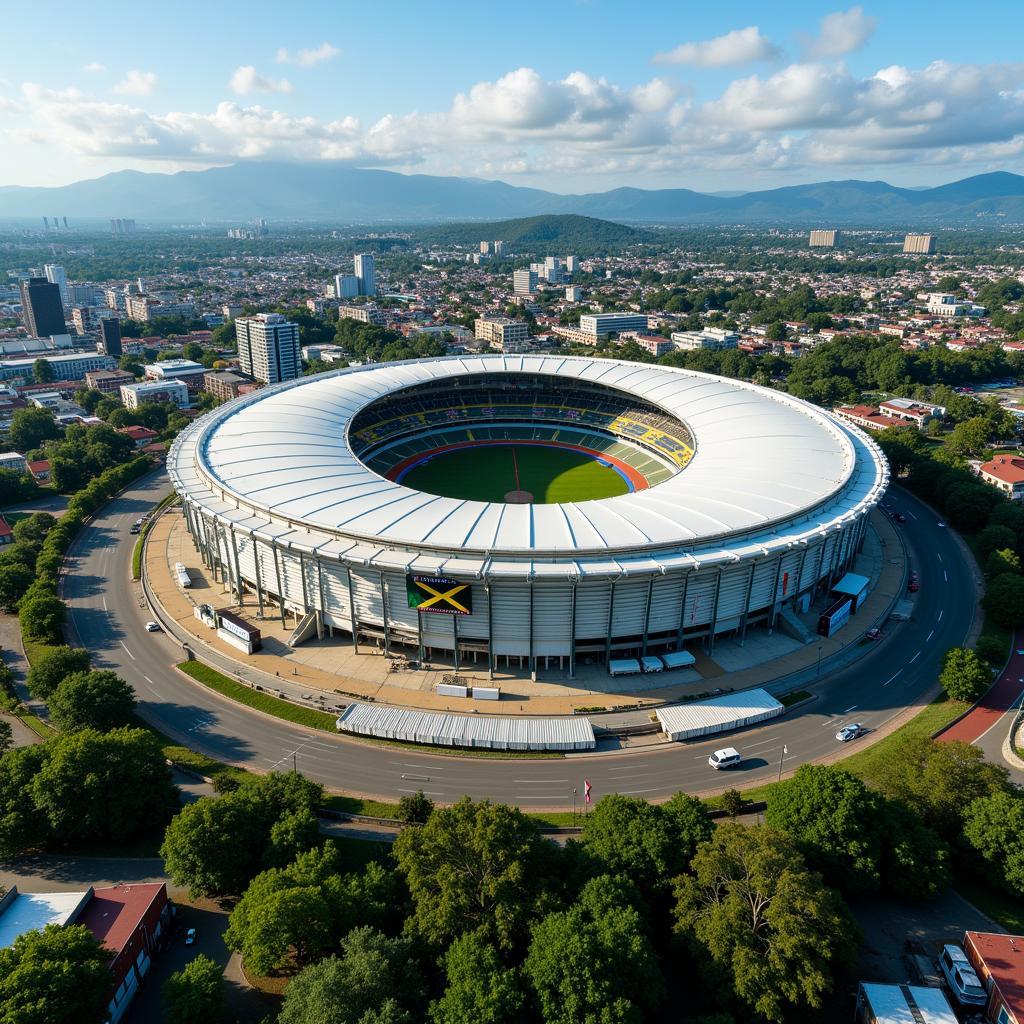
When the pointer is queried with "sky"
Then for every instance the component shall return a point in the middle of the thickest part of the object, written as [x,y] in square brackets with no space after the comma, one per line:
[567,95]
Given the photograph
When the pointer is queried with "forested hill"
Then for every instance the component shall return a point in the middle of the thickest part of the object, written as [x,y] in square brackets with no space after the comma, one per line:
[554,231]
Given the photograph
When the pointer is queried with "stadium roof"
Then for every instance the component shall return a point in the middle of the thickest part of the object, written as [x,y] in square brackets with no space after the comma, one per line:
[279,462]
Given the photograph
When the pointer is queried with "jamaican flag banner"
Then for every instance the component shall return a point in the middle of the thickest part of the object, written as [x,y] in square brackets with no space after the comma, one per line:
[439,594]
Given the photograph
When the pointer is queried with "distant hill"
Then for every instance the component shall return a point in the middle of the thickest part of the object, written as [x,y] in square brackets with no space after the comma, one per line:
[330,193]
[565,230]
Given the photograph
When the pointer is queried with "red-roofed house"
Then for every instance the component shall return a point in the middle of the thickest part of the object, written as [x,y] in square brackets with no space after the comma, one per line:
[140,435]
[1007,473]
[866,416]
[40,470]
[6,533]
[128,920]
[998,960]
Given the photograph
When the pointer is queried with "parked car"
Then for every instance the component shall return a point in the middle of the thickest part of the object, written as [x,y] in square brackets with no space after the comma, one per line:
[152,627]
[913,586]
[965,985]
[850,732]
[190,937]
[727,758]
[873,634]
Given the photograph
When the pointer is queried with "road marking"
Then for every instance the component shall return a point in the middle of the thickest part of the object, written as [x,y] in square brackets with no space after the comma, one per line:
[891,678]
[129,653]
[427,767]
[533,796]
[848,710]
[105,608]
[939,619]
[635,775]
[630,792]
[536,782]
[626,768]
[914,658]
[415,778]
[911,514]
[427,792]
[940,558]
[945,575]
[929,636]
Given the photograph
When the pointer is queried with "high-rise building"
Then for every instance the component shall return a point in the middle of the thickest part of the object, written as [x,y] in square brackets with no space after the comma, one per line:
[501,333]
[122,226]
[110,336]
[485,248]
[365,273]
[497,247]
[524,282]
[268,347]
[824,239]
[600,324]
[919,244]
[42,309]
[55,275]
[570,264]
[346,286]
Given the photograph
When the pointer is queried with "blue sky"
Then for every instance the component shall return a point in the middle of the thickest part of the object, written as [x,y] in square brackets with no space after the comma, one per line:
[570,96]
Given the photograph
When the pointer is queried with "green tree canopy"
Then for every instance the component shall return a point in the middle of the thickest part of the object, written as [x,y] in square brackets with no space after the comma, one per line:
[99,700]
[1004,600]
[15,579]
[53,667]
[55,976]
[195,994]
[472,865]
[30,427]
[964,676]
[993,826]
[42,616]
[763,916]
[479,988]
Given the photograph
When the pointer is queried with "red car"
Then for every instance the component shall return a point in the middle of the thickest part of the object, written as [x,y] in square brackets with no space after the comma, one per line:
[913,586]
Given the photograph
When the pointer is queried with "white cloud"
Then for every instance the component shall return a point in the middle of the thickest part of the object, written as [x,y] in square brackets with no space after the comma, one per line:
[137,83]
[94,67]
[841,32]
[741,46]
[307,58]
[246,80]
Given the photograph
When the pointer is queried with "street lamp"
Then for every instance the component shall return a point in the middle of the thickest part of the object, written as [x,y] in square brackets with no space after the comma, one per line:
[782,756]
[820,644]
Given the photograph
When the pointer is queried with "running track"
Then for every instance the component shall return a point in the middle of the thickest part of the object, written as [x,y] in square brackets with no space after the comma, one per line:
[991,708]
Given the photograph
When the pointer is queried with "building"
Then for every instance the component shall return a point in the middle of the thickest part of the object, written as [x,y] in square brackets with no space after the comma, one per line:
[145,308]
[923,244]
[346,286]
[524,282]
[498,247]
[653,343]
[55,275]
[122,226]
[42,308]
[268,347]
[485,248]
[867,417]
[227,384]
[647,571]
[154,392]
[911,410]
[573,335]
[115,299]
[824,239]
[188,372]
[13,461]
[85,319]
[571,264]
[902,1004]
[231,311]
[500,332]
[108,381]
[73,366]
[574,293]
[1006,472]
[140,436]
[368,314]
[714,339]
[998,960]
[600,324]
[364,267]
[110,336]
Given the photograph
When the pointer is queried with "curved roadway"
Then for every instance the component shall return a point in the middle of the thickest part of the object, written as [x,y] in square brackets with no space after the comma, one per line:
[107,612]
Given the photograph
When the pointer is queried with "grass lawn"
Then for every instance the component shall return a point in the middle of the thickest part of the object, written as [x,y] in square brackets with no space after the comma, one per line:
[488,473]
[357,853]
[999,905]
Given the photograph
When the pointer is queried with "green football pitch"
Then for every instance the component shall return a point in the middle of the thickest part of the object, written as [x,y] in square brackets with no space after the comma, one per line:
[490,472]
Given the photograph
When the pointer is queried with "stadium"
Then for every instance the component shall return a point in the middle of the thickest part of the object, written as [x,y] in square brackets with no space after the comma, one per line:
[525,512]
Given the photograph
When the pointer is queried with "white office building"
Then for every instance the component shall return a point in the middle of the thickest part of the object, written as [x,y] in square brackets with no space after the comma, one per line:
[501,333]
[55,275]
[346,286]
[268,347]
[73,366]
[713,339]
[600,324]
[524,282]
[155,392]
[365,274]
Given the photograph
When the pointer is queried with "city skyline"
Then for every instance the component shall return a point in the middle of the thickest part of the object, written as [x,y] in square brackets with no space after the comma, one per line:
[568,101]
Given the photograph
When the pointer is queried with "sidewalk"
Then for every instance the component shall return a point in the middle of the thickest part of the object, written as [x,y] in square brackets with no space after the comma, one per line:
[322,673]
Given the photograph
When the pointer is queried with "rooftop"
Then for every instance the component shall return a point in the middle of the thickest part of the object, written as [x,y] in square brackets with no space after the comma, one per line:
[1008,468]
[22,912]
[113,914]
[1003,956]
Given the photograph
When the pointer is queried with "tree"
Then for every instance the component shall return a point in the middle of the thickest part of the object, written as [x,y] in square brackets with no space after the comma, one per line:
[55,976]
[831,816]
[375,979]
[593,963]
[479,988]
[215,847]
[15,579]
[53,667]
[415,808]
[939,780]
[1004,560]
[6,736]
[776,331]
[645,842]
[99,700]
[472,865]
[15,486]
[42,616]
[915,860]
[31,427]
[732,802]
[994,537]
[195,994]
[964,675]
[969,438]
[759,913]
[1004,600]
[42,371]
[993,826]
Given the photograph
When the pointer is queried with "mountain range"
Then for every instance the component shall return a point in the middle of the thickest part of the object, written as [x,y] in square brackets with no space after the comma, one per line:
[340,194]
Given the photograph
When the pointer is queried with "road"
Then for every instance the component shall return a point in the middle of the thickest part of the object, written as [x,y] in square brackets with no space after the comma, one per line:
[107,613]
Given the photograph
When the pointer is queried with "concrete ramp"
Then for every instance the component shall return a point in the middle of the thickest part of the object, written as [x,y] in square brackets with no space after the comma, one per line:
[303,631]
[792,625]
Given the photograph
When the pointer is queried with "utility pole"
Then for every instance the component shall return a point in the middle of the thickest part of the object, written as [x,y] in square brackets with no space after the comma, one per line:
[782,757]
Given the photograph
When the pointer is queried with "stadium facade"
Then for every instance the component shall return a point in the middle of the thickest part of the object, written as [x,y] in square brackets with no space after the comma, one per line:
[747,500]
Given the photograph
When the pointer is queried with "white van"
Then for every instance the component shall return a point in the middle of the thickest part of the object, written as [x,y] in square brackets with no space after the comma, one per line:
[727,758]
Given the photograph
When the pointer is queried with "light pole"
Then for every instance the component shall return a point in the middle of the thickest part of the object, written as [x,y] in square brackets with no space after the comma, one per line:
[574,806]
[782,756]
[819,658]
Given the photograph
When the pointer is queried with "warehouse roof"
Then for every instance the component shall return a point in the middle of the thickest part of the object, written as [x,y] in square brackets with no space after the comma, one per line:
[763,461]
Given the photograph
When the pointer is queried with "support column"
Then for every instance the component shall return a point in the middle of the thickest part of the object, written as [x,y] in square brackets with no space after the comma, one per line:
[490,631]
[323,598]
[682,611]
[533,657]
[714,613]
[608,638]
[352,610]
[746,604]
[259,572]
[647,617]
[773,614]
[455,640]
[280,589]
[305,587]
[384,613]
[572,629]
[238,568]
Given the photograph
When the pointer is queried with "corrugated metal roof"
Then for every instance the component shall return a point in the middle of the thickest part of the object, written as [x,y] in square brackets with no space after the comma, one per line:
[768,469]
[706,717]
[463,731]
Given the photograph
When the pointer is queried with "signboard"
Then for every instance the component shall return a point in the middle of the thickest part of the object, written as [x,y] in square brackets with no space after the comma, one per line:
[439,594]
[835,616]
